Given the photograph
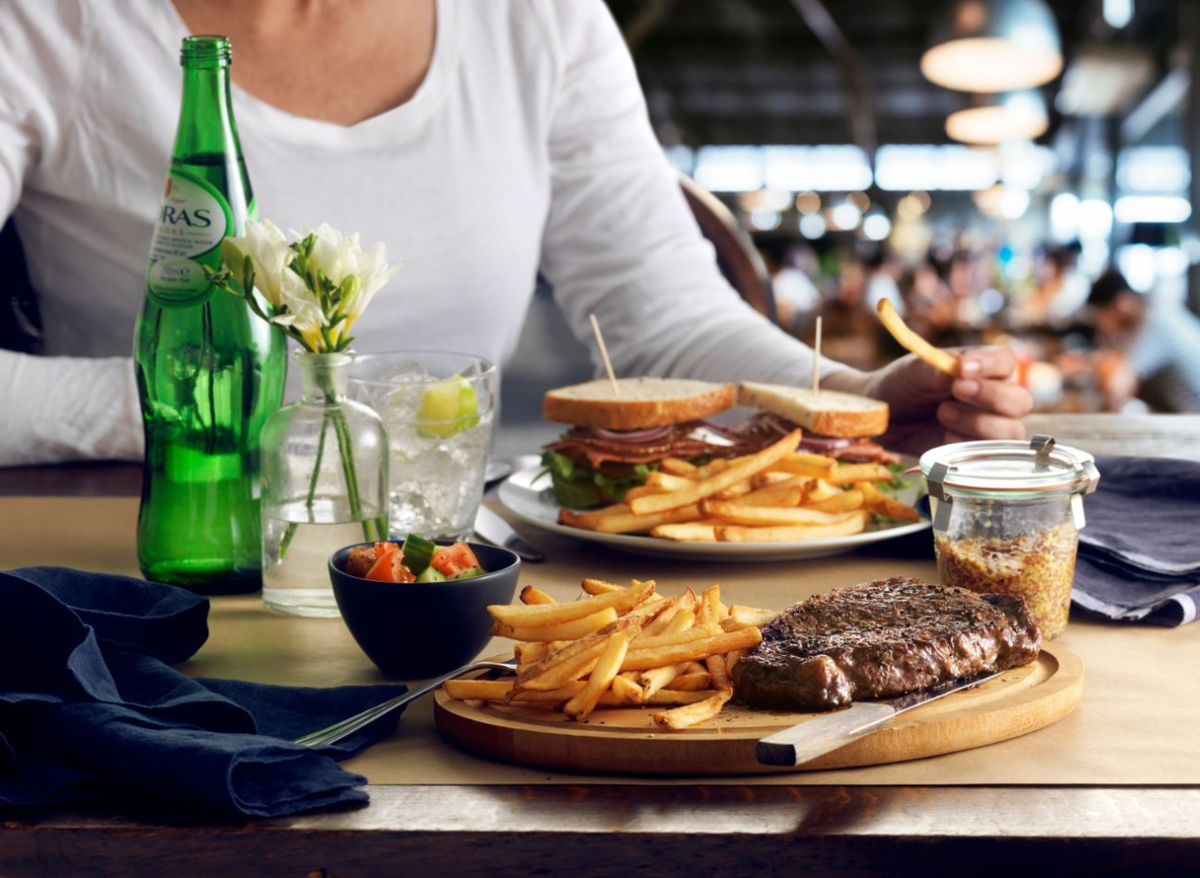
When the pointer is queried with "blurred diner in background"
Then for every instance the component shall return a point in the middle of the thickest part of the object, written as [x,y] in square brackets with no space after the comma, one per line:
[1042,201]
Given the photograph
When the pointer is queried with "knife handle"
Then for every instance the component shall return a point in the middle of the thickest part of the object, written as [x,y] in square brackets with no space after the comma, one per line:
[824,733]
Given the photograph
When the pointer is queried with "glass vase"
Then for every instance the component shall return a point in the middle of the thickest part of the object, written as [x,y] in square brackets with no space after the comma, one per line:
[325,485]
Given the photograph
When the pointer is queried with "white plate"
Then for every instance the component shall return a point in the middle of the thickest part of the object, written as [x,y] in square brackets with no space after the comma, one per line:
[535,505]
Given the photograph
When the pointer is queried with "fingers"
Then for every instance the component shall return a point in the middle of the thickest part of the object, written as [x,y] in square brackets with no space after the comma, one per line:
[1001,397]
[969,421]
[987,362]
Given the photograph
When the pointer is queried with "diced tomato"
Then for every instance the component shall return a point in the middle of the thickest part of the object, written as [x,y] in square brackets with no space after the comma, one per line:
[389,565]
[361,560]
[449,560]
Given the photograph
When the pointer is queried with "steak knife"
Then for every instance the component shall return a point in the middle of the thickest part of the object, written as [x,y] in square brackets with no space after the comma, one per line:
[829,731]
[497,531]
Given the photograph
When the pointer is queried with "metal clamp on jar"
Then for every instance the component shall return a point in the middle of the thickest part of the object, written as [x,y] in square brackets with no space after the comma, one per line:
[1006,519]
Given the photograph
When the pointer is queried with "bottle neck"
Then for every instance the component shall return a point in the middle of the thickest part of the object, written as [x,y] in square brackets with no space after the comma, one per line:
[206,123]
[323,377]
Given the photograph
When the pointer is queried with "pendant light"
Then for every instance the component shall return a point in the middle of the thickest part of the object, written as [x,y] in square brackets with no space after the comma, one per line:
[994,46]
[997,119]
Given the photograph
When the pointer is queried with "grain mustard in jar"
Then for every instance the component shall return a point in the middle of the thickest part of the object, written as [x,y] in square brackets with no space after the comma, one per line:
[1006,519]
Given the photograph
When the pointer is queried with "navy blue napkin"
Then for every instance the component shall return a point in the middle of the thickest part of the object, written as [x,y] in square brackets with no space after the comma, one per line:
[90,709]
[1139,555]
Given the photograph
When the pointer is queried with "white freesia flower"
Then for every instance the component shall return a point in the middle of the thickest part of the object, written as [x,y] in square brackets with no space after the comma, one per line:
[301,310]
[270,253]
[340,257]
[317,301]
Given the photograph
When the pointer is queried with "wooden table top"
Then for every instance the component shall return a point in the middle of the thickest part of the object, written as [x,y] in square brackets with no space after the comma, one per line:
[611,828]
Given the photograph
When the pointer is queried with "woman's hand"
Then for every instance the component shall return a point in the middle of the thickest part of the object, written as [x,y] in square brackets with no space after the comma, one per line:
[930,408]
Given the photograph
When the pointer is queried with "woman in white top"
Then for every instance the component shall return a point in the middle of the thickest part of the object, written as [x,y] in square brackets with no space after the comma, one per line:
[481,141]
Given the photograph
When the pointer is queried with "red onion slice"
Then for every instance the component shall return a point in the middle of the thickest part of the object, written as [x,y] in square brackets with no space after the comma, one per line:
[628,437]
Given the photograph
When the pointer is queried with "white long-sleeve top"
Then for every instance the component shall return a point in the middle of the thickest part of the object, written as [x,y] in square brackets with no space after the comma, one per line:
[527,147]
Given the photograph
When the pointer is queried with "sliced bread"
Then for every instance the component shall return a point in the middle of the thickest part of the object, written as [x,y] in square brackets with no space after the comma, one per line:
[641,402]
[825,412]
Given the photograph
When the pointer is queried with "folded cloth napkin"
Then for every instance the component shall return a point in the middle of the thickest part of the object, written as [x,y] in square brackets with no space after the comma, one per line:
[1139,556]
[91,710]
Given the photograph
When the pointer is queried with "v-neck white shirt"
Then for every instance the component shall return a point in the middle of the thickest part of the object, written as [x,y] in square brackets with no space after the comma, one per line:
[526,148]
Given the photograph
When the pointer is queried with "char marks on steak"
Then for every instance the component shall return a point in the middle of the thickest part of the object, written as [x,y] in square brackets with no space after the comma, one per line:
[882,639]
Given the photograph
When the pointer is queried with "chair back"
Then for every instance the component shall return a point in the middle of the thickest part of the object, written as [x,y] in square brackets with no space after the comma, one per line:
[737,257]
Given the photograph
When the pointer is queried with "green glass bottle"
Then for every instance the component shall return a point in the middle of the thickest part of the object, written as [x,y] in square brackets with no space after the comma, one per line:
[209,372]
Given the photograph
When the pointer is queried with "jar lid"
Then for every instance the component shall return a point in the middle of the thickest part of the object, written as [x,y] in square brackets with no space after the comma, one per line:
[1005,467]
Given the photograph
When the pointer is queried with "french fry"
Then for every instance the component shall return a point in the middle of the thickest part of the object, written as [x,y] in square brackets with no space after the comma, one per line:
[629,523]
[732,658]
[691,531]
[943,361]
[708,606]
[518,615]
[528,653]
[692,682]
[666,481]
[843,501]
[745,617]
[713,467]
[587,520]
[645,657]
[888,507]
[738,489]
[855,522]
[599,586]
[685,717]
[773,479]
[533,595]
[609,665]
[662,696]
[802,464]
[626,690]
[694,667]
[657,678]
[662,641]
[498,690]
[563,631]
[640,491]
[651,609]
[820,490]
[757,516]
[777,495]
[860,472]
[735,472]
[572,662]
[685,602]
[677,467]
[680,622]
[717,673]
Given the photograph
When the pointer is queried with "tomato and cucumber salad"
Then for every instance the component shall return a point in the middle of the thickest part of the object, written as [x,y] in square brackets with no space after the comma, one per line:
[417,560]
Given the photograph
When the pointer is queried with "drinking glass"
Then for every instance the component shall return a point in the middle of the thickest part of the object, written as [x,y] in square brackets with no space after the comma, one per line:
[438,449]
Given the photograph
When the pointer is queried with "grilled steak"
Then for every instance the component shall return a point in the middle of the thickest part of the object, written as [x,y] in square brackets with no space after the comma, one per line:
[881,639]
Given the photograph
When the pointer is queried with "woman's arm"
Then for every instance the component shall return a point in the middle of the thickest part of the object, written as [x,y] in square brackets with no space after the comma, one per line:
[620,240]
[52,409]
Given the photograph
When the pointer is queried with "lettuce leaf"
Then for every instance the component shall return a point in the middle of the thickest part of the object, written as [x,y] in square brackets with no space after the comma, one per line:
[578,486]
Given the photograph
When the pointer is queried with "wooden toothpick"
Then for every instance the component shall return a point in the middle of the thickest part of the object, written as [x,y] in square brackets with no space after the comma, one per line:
[612,378]
[816,378]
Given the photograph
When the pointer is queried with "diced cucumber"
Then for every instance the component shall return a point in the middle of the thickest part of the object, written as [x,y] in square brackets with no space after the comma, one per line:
[417,553]
[431,574]
[469,573]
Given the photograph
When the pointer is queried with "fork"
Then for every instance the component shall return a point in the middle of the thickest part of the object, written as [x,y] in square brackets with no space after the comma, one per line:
[350,725]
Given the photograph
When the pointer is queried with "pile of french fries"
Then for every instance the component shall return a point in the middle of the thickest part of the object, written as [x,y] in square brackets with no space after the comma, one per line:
[775,495]
[621,647]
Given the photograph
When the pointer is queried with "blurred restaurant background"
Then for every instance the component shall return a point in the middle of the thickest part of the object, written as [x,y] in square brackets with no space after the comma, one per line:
[982,163]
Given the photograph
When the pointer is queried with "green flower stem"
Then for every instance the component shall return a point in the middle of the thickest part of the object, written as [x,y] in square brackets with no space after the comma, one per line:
[290,533]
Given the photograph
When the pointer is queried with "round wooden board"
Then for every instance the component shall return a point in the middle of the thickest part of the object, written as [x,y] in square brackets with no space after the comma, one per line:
[626,741]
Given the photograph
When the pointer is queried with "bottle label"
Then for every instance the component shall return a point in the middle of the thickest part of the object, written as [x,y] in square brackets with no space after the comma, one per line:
[193,219]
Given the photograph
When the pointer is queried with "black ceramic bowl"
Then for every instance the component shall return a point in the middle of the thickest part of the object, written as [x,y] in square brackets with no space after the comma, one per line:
[415,630]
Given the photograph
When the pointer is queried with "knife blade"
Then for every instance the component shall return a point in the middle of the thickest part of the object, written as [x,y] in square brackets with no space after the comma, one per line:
[497,531]
[806,741]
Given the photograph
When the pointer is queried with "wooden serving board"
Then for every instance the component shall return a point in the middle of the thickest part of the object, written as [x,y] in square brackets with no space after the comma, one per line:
[626,741]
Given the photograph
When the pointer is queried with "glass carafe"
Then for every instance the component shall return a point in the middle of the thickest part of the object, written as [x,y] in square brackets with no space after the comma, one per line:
[325,485]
